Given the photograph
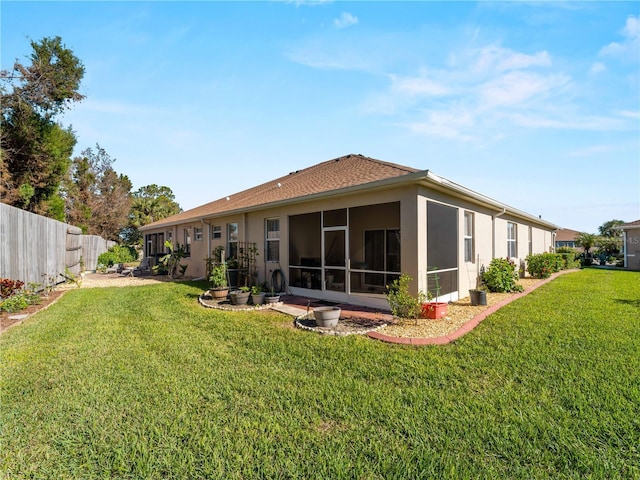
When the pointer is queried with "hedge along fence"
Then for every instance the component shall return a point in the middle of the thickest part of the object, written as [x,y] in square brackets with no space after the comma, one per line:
[37,249]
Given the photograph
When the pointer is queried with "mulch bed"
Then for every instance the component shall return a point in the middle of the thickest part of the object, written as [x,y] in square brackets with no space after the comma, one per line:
[7,320]
[351,325]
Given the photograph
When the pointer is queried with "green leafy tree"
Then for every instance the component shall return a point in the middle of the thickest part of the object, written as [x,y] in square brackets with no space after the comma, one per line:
[150,204]
[609,229]
[98,199]
[586,241]
[35,149]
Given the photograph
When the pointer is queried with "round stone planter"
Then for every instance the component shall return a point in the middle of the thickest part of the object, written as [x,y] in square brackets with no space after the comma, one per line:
[271,298]
[326,316]
[239,297]
[257,298]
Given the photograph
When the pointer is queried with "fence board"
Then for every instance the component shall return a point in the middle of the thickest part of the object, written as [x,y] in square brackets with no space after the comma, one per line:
[37,249]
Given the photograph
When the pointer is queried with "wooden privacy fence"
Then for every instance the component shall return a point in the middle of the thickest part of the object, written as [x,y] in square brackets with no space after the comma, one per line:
[37,249]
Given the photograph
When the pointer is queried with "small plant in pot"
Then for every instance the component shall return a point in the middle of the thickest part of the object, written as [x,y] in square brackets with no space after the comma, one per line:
[478,295]
[240,296]
[218,279]
[257,295]
[271,296]
[434,310]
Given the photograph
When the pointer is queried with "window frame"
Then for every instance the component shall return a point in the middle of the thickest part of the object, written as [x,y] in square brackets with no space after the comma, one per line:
[187,241]
[216,232]
[272,240]
[469,237]
[197,234]
[512,242]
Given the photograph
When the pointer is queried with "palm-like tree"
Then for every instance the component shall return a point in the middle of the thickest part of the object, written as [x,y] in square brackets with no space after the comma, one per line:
[586,241]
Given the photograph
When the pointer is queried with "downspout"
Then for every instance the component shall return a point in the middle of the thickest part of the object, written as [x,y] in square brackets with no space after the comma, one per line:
[493,231]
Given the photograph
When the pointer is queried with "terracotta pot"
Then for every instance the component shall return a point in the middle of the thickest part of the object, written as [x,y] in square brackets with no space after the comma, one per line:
[327,316]
[434,310]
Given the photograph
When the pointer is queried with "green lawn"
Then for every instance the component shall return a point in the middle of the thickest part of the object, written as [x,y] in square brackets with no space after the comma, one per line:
[144,383]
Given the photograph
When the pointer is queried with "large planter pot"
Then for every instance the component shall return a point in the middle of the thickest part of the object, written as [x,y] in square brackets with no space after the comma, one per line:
[434,310]
[257,298]
[239,297]
[478,297]
[268,298]
[327,316]
[219,293]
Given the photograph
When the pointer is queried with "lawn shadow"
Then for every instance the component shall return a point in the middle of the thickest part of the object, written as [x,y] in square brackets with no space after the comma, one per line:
[633,303]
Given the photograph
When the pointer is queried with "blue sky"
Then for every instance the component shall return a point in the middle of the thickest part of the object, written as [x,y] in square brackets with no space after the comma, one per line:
[535,104]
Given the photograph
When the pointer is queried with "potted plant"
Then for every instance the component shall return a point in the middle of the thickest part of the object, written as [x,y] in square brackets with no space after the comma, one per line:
[434,310]
[257,295]
[240,296]
[218,279]
[478,295]
[272,297]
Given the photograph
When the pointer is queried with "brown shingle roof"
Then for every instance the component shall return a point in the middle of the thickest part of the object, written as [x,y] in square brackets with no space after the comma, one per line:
[566,235]
[635,223]
[339,173]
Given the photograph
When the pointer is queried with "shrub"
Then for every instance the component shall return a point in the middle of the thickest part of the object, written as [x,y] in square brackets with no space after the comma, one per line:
[402,303]
[502,276]
[9,287]
[542,265]
[13,298]
[118,254]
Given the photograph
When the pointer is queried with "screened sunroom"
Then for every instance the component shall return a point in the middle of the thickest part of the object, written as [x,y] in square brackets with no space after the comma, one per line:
[348,251]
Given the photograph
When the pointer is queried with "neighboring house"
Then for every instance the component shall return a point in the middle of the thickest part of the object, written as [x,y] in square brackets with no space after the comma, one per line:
[343,229]
[631,244]
[566,238]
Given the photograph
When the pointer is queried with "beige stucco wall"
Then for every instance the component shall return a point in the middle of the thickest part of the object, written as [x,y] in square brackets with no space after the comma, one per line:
[490,235]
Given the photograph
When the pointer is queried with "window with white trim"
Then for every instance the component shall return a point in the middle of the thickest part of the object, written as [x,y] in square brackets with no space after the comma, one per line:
[216,232]
[530,240]
[272,229]
[187,242]
[197,233]
[232,240]
[469,254]
[512,240]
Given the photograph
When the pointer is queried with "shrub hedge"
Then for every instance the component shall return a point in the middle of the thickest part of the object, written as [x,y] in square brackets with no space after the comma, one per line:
[118,254]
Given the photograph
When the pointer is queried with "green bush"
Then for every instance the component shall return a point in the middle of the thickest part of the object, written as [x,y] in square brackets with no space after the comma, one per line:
[402,303]
[118,254]
[502,276]
[542,265]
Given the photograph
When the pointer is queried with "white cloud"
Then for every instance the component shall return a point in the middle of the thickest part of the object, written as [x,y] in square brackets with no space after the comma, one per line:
[517,87]
[597,68]
[499,59]
[345,20]
[629,48]
[418,86]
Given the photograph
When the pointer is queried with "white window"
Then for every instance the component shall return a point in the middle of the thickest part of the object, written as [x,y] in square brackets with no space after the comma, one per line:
[469,253]
[530,241]
[232,240]
[197,233]
[187,242]
[272,229]
[512,240]
[216,232]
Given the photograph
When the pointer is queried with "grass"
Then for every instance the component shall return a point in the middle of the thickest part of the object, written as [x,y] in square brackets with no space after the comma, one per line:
[142,382]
